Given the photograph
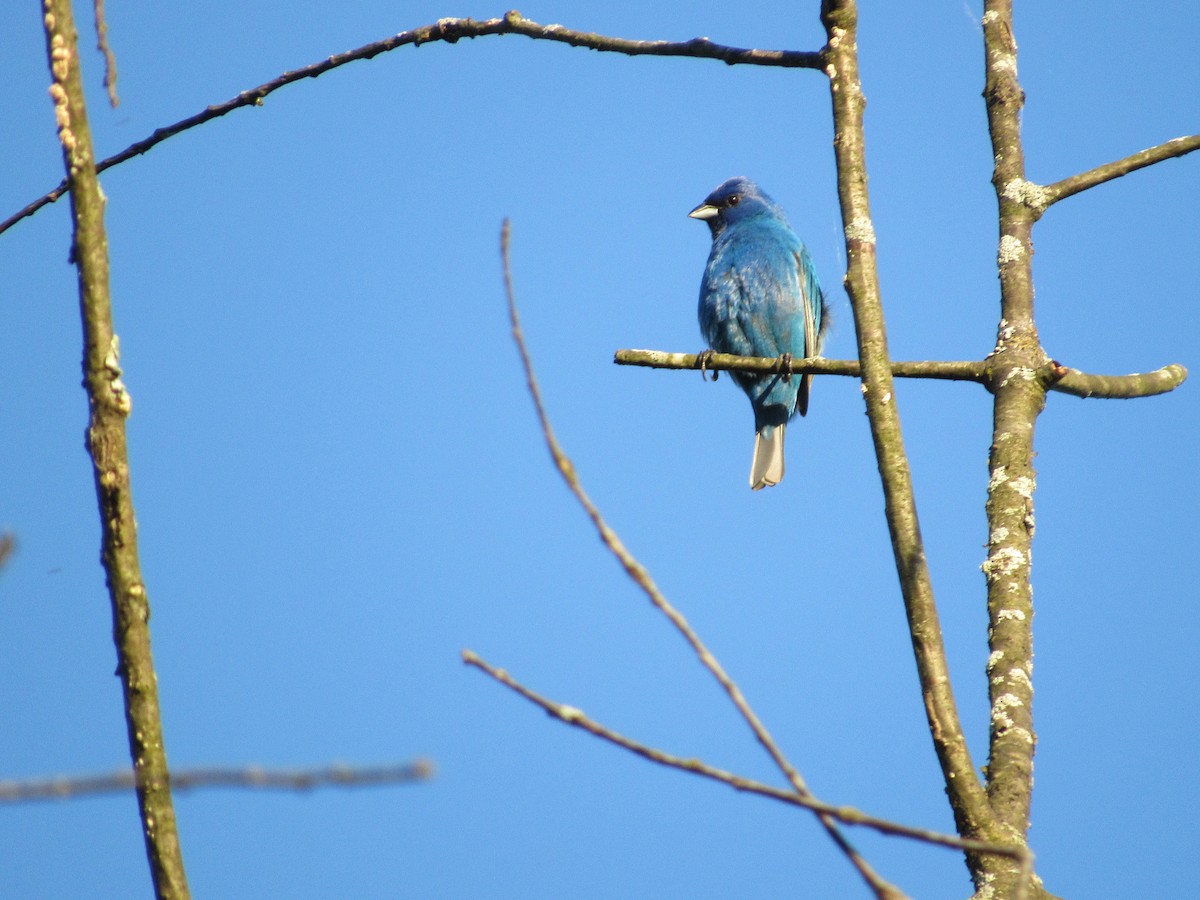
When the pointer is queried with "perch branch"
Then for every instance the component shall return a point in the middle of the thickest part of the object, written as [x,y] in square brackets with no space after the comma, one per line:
[845,814]
[109,405]
[449,31]
[1068,187]
[967,799]
[659,359]
[637,572]
[197,779]
[1058,377]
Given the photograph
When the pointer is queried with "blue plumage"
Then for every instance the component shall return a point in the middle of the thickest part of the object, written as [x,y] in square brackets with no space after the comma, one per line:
[760,297]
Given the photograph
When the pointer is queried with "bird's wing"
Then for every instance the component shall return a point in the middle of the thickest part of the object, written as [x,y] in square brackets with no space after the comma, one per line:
[811,302]
[812,311]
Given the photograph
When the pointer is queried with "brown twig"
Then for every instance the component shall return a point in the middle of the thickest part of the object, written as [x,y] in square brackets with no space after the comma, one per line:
[1068,187]
[967,799]
[845,814]
[637,572]
[110,58]
[449,31]
[109,404]
[197,779]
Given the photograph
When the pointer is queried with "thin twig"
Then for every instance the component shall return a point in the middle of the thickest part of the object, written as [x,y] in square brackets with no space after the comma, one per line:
[110,58]
[109,404]
[197,779]
[845,814]
[449,31]
[967,799]
[1068,187]
[641,577]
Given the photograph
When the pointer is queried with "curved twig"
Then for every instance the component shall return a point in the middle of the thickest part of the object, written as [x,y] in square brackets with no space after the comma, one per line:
[1119,387]
[450,31]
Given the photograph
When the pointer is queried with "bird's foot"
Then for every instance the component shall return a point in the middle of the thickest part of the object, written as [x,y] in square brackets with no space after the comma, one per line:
[785,366]
[702,360]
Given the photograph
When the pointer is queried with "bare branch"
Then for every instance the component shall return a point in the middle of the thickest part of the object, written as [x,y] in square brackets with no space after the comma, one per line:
[1059,378]
[844,814]
[660,359]
[1118,387]
[1019,392]
[198,779]
[449,31]
[967,799]
[1068,187]
[637,572]
[109,403]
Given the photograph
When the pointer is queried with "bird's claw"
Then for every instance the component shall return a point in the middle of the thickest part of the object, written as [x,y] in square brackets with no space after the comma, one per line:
[703,359]
[785,366]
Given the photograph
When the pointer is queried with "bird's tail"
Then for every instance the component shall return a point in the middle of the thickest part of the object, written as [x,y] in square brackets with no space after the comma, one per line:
[767,468]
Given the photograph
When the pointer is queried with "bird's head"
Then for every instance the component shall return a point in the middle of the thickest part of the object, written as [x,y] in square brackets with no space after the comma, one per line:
[737,199]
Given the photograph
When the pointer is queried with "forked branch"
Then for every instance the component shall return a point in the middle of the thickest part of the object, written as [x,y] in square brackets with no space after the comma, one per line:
[847,815]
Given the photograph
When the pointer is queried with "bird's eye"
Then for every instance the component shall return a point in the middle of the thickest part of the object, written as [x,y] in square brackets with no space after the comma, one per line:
[734,200]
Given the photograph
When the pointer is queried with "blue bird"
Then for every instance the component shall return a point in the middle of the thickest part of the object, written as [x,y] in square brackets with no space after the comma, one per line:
[760,297]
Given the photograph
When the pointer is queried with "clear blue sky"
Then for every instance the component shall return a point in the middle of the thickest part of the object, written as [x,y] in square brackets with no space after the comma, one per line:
[340,483]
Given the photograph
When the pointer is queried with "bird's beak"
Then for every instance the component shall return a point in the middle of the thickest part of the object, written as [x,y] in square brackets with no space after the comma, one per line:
[703,211]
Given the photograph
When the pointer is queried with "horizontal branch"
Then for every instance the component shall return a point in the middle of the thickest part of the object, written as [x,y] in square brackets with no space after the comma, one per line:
[844,814]
[191,779]
[449,31]
[659,359]
[1076,183]
[1060,378]
[1118,387]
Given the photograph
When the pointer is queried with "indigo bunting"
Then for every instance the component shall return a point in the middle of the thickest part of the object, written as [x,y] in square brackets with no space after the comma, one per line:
[760,297]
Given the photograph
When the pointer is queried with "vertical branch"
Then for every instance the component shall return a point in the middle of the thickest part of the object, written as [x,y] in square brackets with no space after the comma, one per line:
[1019,368]
[862,284]
[109,404]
